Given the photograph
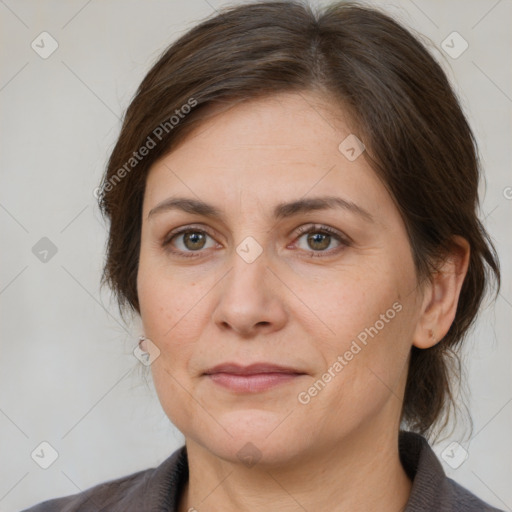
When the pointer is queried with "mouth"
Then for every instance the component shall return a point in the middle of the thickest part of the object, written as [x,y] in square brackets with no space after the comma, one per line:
[253,378]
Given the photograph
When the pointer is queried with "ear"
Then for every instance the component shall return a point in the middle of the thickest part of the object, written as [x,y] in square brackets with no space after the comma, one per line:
[441,296]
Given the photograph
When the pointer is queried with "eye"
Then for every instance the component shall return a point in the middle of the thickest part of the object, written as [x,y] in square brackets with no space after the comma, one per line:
[317,240]
[188,240]
[321,238]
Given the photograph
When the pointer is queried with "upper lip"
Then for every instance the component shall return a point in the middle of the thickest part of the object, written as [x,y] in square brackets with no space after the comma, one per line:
[238,369]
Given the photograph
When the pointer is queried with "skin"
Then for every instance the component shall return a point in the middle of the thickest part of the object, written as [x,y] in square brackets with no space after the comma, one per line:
[339,451]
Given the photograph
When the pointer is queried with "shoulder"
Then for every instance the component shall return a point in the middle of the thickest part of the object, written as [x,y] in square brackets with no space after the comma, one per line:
[432,490]
[464,500]
[103,496]
[150,489]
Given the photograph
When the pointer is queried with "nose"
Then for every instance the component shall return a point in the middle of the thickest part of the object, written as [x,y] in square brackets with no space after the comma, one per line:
[249,299]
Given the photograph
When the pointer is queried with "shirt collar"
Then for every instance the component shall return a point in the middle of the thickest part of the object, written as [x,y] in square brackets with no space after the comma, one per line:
[417,457]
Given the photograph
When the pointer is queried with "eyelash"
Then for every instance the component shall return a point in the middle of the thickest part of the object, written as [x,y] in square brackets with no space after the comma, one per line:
[302,230]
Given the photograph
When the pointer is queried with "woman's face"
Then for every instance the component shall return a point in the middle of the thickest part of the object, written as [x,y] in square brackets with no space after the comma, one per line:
[294,258]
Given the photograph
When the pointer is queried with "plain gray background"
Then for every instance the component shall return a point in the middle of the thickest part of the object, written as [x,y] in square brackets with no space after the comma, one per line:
[67,375]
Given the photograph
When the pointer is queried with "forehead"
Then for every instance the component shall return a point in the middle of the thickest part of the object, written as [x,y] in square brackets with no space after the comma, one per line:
[267,149]
[306,112]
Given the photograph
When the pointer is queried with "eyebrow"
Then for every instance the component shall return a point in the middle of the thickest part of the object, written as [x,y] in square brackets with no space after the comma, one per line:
[281,211]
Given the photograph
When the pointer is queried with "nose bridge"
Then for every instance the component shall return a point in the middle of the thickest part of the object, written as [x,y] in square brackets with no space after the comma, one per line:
[248,270]
[248,297]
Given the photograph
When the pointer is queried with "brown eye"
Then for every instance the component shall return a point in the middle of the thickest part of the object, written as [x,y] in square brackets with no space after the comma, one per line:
[318,241]
[189,241]
[194,240]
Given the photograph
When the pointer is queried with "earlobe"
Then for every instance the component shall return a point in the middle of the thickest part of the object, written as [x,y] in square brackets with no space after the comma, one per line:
[442,296]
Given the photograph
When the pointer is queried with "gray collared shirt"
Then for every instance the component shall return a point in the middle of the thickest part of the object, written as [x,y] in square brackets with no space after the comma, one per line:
[159,489]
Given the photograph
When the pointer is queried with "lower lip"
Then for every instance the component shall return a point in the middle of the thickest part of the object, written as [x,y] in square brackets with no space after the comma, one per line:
[252,383]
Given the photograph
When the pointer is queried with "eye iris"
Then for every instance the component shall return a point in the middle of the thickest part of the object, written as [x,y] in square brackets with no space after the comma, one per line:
[319,238]
[196,239]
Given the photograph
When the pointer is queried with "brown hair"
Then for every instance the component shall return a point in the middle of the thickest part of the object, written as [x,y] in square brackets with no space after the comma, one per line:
[405,112]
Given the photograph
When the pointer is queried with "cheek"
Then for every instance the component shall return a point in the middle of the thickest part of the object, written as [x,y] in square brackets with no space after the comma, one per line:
[174,315]
[167,301]
[350,302]
[170,313]
[370,319]
[371,343]
[364,375]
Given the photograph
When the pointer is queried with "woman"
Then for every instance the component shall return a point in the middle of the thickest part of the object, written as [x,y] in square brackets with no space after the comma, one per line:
[292,208]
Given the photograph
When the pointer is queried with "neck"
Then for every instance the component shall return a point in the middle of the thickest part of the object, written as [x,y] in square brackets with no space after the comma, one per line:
[362,473]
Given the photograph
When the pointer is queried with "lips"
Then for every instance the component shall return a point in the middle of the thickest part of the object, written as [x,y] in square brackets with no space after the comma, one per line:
[251,369]
[252,378]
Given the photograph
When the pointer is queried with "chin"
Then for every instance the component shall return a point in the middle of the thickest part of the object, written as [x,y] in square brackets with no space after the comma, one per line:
[256,437]
[264,453]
